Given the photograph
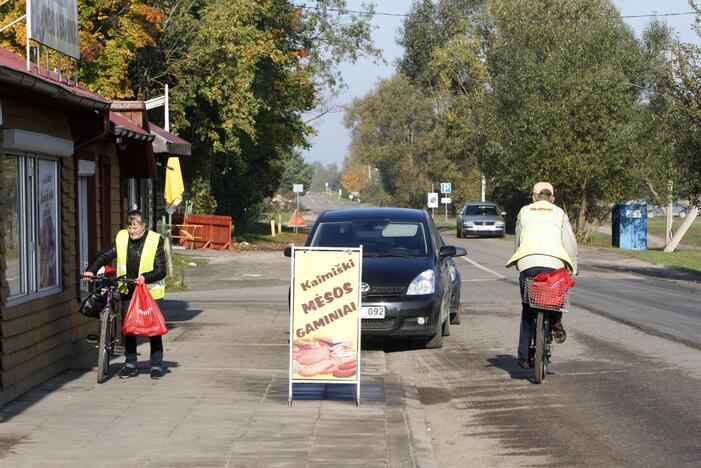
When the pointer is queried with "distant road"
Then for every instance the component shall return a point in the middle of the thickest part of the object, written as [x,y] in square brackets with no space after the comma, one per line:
[318,202]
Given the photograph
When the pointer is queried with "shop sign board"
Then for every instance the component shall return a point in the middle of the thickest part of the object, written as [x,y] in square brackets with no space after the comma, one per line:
[54,23]
[325,316]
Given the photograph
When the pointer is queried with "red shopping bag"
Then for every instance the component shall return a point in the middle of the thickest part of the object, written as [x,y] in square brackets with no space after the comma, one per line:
[549,289]
[144,318]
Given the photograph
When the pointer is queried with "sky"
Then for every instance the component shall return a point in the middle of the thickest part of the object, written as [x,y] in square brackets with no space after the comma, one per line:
[330,144]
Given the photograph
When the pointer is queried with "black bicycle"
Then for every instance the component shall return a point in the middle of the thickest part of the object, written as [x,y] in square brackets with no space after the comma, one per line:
[107,290]
[541,341]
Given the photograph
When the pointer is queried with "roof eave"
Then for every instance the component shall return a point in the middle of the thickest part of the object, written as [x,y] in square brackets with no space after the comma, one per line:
[11,76]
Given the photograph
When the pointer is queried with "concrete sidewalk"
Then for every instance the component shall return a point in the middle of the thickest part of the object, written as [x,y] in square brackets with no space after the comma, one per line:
[223,400]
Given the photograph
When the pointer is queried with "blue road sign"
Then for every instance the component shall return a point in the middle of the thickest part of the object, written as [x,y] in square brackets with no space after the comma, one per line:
[446,187]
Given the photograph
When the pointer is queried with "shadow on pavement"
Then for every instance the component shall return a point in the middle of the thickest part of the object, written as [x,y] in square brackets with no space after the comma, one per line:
[178,311]
[679,274]
[173,310]
[509,363]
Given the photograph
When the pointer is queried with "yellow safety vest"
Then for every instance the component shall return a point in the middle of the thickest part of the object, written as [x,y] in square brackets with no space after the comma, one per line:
[541,233]
[148,256]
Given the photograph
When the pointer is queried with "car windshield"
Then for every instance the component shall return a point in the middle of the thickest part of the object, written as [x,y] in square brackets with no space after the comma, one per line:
[480,210]
[379,238]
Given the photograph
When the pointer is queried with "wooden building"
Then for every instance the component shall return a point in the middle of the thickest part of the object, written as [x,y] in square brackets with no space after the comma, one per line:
[65,165]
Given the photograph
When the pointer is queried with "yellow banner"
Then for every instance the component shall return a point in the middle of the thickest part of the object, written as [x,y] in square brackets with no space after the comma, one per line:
[325,321]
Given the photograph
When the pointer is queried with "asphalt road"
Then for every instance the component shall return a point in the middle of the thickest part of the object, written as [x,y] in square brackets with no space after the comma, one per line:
[617,395]
[622,390]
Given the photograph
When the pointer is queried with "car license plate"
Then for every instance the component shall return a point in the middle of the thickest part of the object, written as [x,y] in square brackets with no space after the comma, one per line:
[373,312]
[484,228]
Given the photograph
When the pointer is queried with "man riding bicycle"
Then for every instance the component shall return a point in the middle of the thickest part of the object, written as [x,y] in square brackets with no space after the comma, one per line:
[544,242]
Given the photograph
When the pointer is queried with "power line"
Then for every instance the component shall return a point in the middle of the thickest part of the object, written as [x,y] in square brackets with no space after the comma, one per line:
[344,11]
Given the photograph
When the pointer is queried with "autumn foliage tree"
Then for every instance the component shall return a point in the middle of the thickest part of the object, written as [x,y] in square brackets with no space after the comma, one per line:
[111,34]
[351,181]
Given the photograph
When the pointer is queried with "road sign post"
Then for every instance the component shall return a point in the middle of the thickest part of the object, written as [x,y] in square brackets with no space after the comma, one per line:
[446,189]
[297,188]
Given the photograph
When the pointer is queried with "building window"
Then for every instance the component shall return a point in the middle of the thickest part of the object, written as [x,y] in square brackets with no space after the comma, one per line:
[12,226]
[31,224]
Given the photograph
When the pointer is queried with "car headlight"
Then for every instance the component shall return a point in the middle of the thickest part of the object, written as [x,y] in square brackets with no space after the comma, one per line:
[468,223]
[424,283]
[499,224]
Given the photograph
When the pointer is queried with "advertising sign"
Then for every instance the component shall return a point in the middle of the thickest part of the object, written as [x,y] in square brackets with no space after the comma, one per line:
[54,23]
[325,316]
[48,229]
[433,200]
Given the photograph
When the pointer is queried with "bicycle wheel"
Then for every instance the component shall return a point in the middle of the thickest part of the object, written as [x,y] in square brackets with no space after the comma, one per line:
[103,356]
[539,357]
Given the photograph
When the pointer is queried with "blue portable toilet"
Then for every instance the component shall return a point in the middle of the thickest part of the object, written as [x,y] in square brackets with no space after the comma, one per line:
[629,227]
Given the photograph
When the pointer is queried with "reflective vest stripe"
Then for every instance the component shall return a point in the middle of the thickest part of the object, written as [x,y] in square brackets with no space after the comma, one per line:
[148,257]
[122,242]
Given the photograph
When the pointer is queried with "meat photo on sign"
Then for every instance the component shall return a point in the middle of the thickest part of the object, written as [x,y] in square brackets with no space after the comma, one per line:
[324,356]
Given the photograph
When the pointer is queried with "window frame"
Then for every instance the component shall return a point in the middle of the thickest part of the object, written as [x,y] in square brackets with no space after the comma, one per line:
[28,193]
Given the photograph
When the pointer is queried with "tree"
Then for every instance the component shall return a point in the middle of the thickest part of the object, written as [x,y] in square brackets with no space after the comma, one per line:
[325,174]
[546,91]
[111,35]
[351,181]
[203,201]
[242,75]
[406,134]
[295,171]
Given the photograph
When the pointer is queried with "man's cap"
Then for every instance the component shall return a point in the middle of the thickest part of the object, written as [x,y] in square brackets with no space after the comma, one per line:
[540,186]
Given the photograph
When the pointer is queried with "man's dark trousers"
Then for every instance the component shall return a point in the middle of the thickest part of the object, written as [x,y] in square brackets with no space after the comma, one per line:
[527,314]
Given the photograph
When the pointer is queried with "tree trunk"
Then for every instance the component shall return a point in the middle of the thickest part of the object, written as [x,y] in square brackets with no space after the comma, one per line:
[582,215]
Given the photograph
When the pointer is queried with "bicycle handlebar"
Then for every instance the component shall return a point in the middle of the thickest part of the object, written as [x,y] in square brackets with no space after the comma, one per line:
[111,281]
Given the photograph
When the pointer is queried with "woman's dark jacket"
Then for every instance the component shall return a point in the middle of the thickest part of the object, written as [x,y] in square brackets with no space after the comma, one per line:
[134,249]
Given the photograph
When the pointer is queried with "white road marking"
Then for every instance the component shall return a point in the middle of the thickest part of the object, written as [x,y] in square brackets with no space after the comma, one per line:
[499,276]
[480,279]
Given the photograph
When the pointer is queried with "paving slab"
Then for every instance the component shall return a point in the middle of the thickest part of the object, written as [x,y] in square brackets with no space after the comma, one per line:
[223,399]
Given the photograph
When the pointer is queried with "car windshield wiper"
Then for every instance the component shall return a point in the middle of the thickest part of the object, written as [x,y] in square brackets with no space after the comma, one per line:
[387,254]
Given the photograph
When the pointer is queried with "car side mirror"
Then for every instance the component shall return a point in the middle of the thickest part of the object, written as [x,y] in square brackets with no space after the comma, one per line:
[447,251]
[460,252]
[288,251]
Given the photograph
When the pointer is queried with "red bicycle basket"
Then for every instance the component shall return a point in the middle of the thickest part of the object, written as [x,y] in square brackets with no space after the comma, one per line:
[549,290]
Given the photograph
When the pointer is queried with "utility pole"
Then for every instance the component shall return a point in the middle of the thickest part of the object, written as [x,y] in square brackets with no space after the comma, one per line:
[668,225]
[484,188]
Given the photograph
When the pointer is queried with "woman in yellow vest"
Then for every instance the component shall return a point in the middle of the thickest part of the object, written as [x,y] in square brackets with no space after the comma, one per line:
[544,242]
[140,256]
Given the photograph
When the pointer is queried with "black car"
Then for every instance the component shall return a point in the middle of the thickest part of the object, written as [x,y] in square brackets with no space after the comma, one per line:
[409,277]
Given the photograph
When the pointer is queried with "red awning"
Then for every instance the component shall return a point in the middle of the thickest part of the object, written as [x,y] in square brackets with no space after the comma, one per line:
[134,149]
[166,142]
[123,128]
